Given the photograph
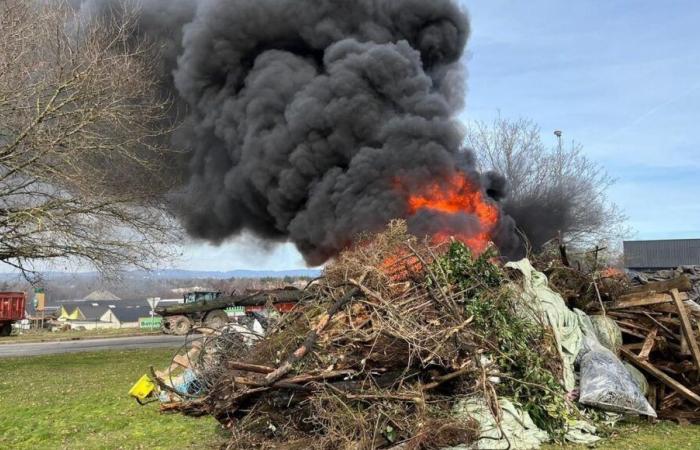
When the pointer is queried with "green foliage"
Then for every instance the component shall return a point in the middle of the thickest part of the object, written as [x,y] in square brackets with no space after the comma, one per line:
[461,268]
[523,352]
[521,348]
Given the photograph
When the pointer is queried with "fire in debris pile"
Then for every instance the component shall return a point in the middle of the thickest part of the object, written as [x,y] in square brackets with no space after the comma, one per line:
[380,354]
[425,344]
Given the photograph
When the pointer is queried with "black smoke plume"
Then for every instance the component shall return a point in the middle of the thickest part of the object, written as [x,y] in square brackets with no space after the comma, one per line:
[301,114]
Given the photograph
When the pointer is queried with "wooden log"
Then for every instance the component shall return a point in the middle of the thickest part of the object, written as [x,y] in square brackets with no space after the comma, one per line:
[687,328]
[662,377]
[235,365]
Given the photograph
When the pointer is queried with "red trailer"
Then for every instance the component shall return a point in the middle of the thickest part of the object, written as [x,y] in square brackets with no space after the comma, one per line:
[12,306]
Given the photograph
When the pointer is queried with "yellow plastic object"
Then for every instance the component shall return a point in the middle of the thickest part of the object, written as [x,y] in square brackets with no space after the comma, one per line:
[143,388]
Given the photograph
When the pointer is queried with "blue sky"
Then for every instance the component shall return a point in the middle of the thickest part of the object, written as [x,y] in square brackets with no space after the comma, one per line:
[620,77]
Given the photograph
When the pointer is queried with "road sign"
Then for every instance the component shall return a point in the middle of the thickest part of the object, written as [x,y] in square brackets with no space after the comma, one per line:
[153,302]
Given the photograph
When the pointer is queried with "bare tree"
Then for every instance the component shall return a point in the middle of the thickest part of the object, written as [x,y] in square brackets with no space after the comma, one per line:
[549,190]
[81,127]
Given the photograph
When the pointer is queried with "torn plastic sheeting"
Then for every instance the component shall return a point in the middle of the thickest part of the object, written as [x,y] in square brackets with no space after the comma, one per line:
[515,431]
[553,309]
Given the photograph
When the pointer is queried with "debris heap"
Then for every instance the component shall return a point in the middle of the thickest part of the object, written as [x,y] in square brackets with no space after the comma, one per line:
[692,273]
[380,352]
[660,326]
[649,319]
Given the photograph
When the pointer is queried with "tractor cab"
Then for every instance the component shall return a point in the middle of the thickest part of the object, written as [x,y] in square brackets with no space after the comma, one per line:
[194,297]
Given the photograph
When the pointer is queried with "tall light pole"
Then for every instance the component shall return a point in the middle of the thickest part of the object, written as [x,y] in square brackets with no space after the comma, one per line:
[559,134]
[560,160]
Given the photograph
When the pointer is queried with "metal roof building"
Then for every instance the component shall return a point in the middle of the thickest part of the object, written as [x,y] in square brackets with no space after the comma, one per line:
[666,254]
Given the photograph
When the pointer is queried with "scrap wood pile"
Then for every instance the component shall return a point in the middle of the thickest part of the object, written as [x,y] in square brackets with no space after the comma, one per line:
[661,331]
[394,335]
[651,320]
[691,273]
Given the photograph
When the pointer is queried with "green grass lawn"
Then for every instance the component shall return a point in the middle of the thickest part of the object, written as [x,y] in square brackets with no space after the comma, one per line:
[48,336]
[644,436]
[80,401]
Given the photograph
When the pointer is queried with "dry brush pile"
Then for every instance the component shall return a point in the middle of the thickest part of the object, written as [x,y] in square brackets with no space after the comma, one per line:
[387,342]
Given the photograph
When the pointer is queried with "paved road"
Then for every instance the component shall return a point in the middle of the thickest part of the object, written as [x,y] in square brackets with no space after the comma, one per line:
[87,345]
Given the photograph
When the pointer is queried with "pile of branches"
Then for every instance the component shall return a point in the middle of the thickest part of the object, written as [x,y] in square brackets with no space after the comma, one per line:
[583,278]
[389,340]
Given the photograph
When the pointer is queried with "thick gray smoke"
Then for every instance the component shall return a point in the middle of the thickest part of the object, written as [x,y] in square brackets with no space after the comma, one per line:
[303,114]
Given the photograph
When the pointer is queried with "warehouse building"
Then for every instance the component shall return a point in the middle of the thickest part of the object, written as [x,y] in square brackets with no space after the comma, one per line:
[661,254]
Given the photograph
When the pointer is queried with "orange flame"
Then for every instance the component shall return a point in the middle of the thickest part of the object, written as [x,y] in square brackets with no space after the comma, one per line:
[458,195]
[612,272]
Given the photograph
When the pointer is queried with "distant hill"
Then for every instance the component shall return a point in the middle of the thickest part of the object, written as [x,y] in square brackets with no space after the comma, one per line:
[177,274]
[189,274]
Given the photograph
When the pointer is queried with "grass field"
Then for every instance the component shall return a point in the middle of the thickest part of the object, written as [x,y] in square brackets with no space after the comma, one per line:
[661,436]
[79,401]
[48,336]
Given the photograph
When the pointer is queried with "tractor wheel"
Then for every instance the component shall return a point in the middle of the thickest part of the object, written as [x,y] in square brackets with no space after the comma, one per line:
[180,325]
[216,319]
[6,329]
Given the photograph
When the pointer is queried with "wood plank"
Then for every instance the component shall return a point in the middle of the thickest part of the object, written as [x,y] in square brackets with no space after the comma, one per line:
[636,325]
[632,332]
[182,361]
[651,398]
[680,283]
[636,346]
[648,344]
[660,393]
[661,325]
[679,415]
[687,328]
[659,375]
[685,350]
[651,395]
[648,300]
[626,314]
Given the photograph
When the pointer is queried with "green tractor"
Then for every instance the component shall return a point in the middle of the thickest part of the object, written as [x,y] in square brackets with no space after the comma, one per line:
[208,309]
